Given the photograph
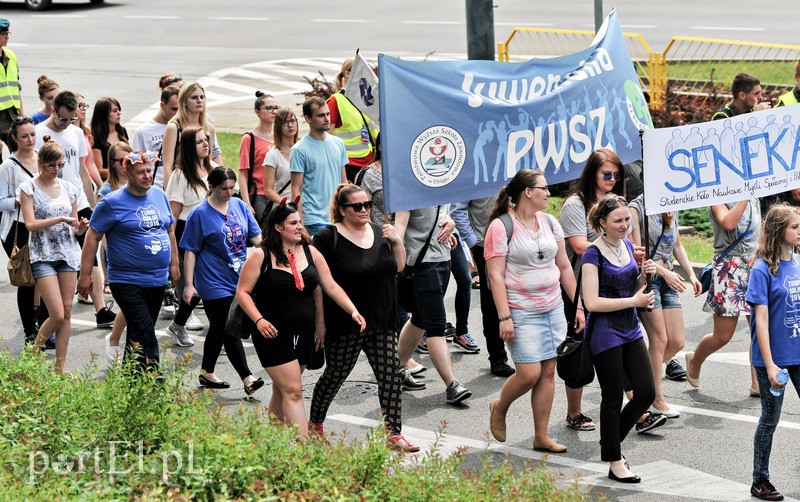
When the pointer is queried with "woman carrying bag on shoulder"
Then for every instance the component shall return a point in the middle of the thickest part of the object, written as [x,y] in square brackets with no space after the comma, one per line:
[526,269]
[612,290]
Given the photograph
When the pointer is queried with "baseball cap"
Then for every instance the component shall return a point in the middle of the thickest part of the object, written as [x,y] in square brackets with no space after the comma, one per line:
[5,24]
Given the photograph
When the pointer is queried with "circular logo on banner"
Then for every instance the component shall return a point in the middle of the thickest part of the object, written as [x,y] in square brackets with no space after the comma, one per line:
[437,156]
[637,106]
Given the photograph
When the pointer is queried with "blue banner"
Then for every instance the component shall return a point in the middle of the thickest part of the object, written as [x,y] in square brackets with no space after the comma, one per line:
[458,130]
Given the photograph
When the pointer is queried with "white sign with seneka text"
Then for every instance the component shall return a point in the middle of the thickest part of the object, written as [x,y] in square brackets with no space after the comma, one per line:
[743,157]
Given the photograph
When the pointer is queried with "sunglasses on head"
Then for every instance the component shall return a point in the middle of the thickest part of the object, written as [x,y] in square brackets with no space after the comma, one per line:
[139,158]
[359,206]
[611,203]
[173,79]
[607,175]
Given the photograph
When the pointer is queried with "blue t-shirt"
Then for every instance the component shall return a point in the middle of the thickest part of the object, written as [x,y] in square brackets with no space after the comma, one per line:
[220,242]
[137,237]
[781,294]
[105,189]
[39,117]
[321,163]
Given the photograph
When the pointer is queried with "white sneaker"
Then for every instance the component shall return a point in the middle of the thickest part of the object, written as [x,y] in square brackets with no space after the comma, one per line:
[193,323]
[180,334]
[114,353]
[170,307]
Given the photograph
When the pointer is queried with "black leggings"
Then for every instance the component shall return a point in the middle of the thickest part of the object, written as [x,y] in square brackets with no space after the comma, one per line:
[612,366]
[25,294]
[217,313]
[342,354]
[184,309]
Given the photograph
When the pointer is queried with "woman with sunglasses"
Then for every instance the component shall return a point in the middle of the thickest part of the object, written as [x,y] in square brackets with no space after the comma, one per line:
[48,90]
[191,113]
[107,131]
[733,223]
[612,291]
[364,259]
[169,79]
[356,129]
[277,178]
[117,178]
[187,188]
[51,214]
[19,167]
[288,277]
[215,247]
[526,270]
[602,174]
[258,141]
[664,325]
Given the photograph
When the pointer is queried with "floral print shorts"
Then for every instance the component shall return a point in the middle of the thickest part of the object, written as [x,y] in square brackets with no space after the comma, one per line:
[726,297]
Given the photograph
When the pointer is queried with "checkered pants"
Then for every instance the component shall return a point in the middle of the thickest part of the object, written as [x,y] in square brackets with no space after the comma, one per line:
[341,355]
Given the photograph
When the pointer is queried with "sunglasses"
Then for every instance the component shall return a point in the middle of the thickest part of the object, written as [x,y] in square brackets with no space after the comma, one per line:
[60,165]
[607,175]
[172,79]
[83,106]
[611,203]
[140,158]
[64,119]
[23,120]
[359,206]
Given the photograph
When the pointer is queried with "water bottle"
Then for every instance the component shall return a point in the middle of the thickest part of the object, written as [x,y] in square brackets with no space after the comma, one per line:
[783,379]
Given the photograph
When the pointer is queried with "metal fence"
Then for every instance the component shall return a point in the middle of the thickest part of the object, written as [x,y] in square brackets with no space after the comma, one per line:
[692,65]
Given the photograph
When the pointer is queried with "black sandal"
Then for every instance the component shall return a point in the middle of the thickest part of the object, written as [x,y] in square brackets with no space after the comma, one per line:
[476,284]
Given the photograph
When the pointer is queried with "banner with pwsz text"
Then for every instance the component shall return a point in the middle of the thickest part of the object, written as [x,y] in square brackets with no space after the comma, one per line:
[459,130]
[743,157]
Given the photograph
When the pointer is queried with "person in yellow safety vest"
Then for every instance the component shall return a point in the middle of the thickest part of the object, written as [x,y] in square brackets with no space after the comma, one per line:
[747,93]
[10,100]
[354,128]
[792,97]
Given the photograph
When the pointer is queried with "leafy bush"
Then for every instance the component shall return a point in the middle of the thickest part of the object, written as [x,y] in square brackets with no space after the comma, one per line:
[697,218]
[123,436]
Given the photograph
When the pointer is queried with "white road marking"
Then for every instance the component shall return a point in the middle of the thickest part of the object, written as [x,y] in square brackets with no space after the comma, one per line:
[443,23]
[727,28]
[138,16]
[661,477]
[361,21]
[738,358]
[730,416]
[219,18]
[159,332]
[61,16]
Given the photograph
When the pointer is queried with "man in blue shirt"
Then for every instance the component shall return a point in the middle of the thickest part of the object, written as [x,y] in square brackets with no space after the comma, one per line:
[142,253]
[317,164]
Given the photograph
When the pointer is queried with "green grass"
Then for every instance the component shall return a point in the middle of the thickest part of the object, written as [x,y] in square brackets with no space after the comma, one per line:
[57,435]
[229,142]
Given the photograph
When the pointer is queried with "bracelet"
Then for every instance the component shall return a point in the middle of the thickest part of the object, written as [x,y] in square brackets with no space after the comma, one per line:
[259,320]
[473,274]
[580,308]
[506,318]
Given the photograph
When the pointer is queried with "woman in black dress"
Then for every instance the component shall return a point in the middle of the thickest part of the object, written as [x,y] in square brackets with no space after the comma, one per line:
[363,258]
[285,275]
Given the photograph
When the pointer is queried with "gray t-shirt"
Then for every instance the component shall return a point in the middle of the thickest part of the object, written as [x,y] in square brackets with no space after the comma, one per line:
[574,223]
[419,227]
[723,238]
[667,244]
[372,183]
[478,211]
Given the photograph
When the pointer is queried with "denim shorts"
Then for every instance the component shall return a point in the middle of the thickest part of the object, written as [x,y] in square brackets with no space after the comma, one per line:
[44,268]
[537,335]
[666,297]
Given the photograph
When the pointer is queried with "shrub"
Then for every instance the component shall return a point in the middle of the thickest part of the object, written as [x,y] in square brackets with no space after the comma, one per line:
[58,435]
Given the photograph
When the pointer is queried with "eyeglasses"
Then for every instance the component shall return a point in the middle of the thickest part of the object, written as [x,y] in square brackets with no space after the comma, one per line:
[140,158]
[119,159]
[60,165]
[607,175]
[359,206]
[290,122]
[5,33]
[83,106]
[65,119]
[543,187]
[172,79]
[271,108]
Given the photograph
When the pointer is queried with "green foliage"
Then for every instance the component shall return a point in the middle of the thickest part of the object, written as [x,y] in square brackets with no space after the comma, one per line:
[229,143]
[697,218]
[58,435]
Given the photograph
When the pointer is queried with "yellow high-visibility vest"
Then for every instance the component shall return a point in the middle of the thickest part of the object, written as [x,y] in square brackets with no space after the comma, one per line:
[787,99]
[9,83]
[355,127]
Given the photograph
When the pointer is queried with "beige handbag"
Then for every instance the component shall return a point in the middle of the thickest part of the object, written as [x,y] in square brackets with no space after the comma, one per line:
[19,264]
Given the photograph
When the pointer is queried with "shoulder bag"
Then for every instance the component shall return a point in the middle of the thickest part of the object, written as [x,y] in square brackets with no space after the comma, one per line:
[405,279]
[239,323]
[706,273]
[19,262]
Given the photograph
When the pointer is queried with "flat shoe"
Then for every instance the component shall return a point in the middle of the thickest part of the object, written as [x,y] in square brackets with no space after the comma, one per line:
[257,384]
[694,382]
[205,382]
[629,479]
[499,434]
[555,448]
[754,392]
[669,412]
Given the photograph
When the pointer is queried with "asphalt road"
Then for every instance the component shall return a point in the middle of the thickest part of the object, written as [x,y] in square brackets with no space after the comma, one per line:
[121,48]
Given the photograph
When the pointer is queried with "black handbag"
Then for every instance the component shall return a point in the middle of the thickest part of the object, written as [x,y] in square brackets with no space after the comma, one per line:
[238,323]
[405,279]
[574,355]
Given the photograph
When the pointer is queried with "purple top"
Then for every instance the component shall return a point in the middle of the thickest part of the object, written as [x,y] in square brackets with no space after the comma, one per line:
[612,329]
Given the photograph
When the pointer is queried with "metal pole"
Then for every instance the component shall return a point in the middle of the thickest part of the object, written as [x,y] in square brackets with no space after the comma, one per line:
[646,233]
[598,15]
[480,29]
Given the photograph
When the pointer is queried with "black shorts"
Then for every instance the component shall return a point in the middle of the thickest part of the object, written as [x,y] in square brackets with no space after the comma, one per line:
[85,213]
[284,348]
[430,285]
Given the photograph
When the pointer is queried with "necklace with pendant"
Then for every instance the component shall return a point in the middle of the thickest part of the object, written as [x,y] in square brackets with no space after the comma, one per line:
[617,250]
[539,252]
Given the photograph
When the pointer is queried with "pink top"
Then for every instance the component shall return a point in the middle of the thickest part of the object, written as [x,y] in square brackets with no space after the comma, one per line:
[532,284]
[262,146]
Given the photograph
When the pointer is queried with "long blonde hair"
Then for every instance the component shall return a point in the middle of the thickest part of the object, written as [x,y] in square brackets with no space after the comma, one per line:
[772,231]
[182,118]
